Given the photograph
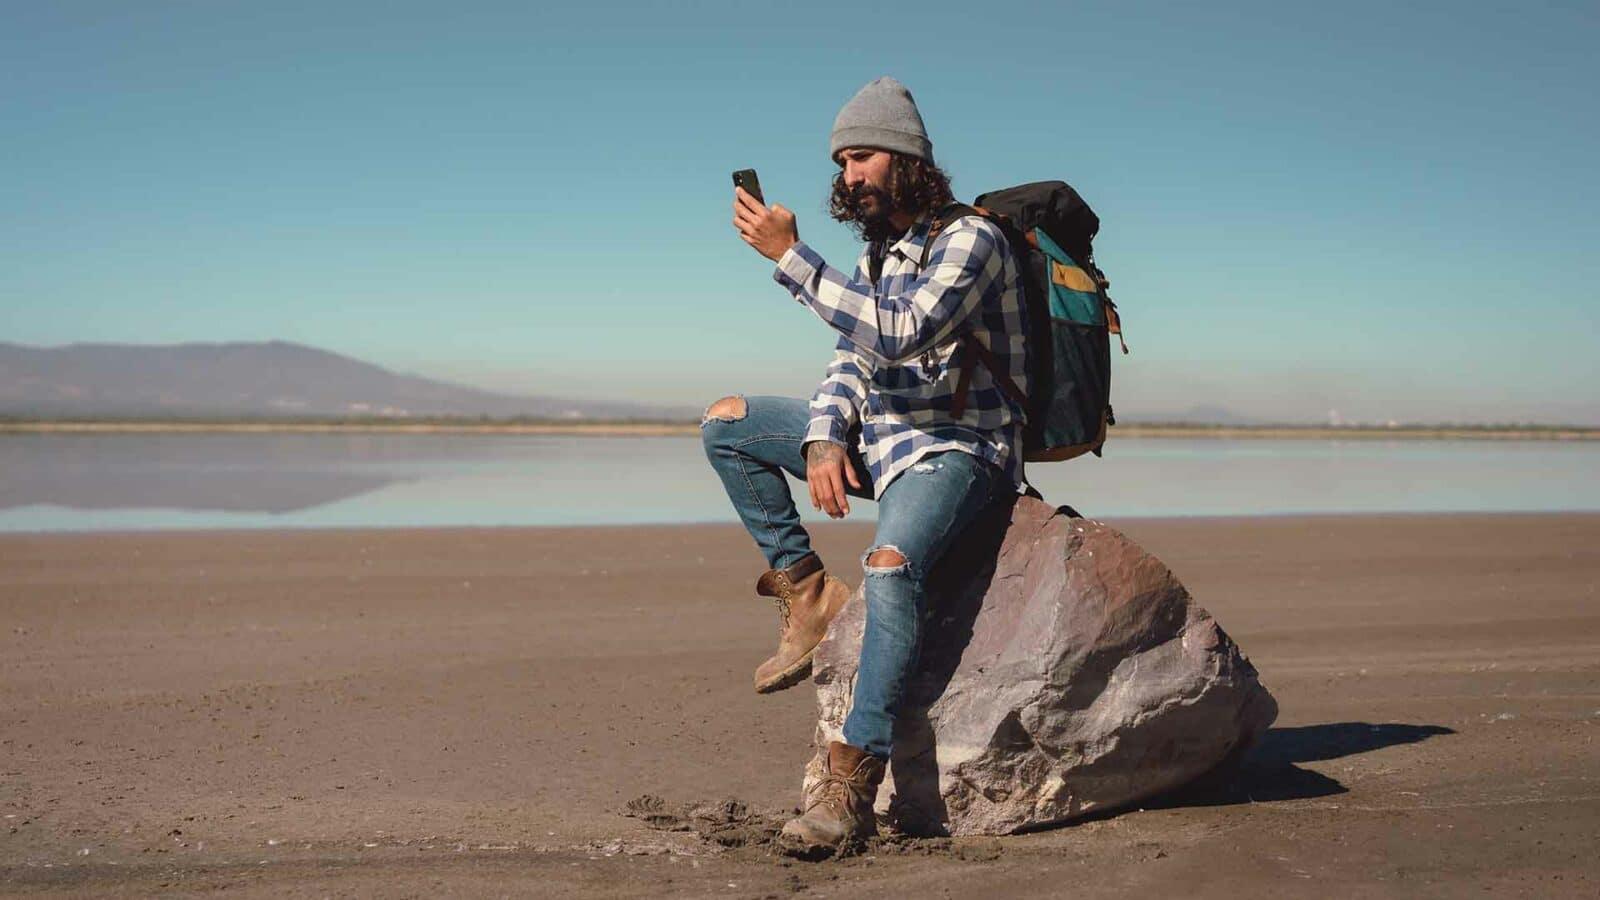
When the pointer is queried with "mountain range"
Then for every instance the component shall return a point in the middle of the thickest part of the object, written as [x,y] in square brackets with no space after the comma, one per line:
[283,380]
[273,379]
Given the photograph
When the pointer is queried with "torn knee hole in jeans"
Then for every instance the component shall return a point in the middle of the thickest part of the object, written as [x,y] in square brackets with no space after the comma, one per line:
[927,468]
[728,409]
[885,560]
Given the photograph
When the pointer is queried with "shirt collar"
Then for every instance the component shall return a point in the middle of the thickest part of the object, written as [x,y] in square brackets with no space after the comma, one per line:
[910,244]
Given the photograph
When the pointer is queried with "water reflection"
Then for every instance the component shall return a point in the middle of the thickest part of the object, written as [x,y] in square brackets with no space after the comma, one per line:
[100,482]
[235,473]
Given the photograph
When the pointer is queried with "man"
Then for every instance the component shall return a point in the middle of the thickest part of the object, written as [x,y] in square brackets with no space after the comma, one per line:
[880,425]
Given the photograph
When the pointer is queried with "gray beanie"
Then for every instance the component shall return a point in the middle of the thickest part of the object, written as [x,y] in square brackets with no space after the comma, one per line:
[881,115]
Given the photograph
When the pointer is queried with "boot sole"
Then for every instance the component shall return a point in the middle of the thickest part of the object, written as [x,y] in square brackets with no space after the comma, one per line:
[789,677]
[807,847]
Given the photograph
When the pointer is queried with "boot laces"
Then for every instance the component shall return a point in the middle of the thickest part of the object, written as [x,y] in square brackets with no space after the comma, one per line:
[832,790]
[782,603]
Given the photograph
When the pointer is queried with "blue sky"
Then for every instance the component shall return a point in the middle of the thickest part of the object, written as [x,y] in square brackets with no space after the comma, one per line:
[1383,209]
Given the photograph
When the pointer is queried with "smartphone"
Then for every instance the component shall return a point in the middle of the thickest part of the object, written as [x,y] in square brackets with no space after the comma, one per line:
[746,178]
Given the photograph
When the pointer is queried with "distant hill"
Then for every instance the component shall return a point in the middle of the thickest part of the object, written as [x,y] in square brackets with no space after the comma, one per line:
[274,379]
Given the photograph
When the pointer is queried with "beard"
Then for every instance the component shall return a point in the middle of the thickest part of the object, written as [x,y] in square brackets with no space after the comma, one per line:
[867,208]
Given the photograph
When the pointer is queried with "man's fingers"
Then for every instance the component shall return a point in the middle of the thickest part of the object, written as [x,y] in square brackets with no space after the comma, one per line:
[742,198]
[747,230]
[850,473]
[825,491]
[747,222]
[840,504]
[825,494]
[821,494]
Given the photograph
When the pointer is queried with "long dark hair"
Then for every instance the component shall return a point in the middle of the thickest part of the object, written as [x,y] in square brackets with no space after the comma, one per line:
[916,186]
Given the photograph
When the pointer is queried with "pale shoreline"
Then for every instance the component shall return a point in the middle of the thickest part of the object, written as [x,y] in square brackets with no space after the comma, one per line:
[466,711]
[682,429]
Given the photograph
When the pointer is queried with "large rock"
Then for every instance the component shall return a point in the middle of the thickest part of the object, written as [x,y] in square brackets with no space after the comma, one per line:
[1064,671]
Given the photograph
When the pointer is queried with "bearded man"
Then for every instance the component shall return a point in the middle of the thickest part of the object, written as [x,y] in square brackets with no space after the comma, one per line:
[882,424]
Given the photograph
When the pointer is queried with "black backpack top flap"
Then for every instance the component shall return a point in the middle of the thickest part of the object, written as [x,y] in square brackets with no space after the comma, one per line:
[1052,206]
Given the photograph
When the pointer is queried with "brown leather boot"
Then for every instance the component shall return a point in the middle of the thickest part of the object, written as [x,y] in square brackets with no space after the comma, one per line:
[839,807]
[808,598]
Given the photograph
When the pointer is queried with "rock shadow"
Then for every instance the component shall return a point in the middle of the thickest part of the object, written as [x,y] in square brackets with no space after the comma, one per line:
[1269,772]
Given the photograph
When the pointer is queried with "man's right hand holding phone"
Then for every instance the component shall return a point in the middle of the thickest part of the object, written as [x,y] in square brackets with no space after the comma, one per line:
[771,231]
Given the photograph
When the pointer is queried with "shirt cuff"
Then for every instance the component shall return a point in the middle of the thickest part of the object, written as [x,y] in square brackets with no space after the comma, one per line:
[826,428]
[796,267]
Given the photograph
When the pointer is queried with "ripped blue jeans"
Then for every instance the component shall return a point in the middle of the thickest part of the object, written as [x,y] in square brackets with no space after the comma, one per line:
[920,513]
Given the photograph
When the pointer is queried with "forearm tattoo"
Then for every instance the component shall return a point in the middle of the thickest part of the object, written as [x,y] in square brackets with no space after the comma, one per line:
[818,452]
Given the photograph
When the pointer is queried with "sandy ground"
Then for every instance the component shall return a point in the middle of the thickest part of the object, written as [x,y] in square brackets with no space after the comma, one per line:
[461,713]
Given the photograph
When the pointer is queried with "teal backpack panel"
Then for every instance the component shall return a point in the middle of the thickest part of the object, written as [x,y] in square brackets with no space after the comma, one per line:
[1073,294]
[1072,401]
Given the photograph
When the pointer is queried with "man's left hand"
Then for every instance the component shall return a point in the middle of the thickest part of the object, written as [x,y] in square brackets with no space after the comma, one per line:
[770,231]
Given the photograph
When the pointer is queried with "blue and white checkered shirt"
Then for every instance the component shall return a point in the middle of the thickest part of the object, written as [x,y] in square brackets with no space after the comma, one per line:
[899,359]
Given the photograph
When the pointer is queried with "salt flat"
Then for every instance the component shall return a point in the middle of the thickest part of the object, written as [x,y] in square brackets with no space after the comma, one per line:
[466,712]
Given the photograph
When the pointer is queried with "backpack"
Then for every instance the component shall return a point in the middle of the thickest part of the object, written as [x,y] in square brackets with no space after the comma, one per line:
[1070,319]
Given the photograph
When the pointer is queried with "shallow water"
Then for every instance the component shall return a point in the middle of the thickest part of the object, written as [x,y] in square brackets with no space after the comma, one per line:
[118,482]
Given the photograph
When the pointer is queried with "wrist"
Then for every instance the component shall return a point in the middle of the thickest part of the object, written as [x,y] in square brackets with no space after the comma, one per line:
[818,448]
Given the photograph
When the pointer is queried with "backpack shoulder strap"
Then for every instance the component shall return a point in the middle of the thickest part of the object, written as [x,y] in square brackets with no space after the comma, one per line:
[958,405]
[944,216]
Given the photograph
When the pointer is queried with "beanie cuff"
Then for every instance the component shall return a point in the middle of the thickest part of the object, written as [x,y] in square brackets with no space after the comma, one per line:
[880,138]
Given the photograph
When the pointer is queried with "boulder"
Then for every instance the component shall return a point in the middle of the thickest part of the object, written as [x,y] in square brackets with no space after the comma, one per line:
[1064,671]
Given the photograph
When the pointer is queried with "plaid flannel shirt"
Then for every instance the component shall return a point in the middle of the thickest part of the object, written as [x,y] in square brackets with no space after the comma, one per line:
[899,357]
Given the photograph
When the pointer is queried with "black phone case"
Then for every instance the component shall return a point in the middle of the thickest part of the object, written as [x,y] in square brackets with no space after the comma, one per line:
[746,178]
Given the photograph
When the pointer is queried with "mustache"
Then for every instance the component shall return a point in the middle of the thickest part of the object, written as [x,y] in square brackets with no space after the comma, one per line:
[857,192]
